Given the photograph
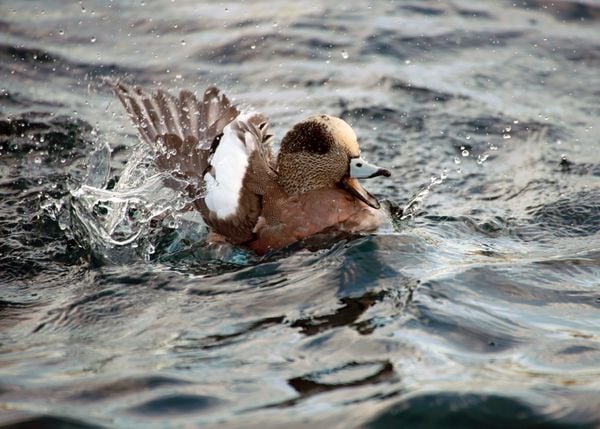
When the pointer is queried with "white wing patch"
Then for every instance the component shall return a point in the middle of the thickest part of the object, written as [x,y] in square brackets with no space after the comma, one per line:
[229,164]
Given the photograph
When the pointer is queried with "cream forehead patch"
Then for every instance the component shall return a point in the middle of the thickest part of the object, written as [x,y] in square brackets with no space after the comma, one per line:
[342,132]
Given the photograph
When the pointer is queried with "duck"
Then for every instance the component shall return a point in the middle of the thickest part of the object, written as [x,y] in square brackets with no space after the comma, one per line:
[247,195]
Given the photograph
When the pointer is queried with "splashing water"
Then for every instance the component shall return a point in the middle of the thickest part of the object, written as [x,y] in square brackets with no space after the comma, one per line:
[131,215]
[412,206]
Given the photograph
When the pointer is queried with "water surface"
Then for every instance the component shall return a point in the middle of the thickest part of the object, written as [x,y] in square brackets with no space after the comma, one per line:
[481,306]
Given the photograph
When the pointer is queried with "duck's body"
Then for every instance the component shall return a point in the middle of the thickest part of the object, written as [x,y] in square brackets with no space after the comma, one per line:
[245,195]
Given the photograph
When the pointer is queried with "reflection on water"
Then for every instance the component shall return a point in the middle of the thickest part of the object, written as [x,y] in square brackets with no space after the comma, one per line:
[479,307]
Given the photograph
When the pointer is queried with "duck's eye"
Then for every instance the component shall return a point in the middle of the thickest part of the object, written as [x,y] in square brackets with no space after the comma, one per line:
[359,164]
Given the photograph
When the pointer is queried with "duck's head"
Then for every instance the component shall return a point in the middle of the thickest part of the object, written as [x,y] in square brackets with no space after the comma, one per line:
[322,152]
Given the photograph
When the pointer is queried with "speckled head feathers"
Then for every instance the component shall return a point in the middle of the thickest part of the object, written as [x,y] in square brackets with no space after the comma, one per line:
[321,134]
[315,154]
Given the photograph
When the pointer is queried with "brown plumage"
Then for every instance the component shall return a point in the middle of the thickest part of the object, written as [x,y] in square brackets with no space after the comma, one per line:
[245,195]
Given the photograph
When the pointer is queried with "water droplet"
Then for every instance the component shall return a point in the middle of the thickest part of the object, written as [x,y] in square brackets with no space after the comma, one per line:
[253,47]
[183,43]
[436,180]
[172,223]
[481,158]
[171,152]
[61,32]
[505,136]
[345,55]
[37,160]
[457,160]
[465,152]
[407,62]
[93,40]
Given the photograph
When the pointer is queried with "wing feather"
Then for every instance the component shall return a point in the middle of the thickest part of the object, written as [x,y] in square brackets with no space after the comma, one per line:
[198,140]
[159,113]
[240,173]
[190,113]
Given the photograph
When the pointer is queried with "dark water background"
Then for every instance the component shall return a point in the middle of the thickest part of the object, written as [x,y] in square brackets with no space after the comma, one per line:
[483,309]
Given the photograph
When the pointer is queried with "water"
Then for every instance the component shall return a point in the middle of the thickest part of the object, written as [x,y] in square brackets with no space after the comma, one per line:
[480,307]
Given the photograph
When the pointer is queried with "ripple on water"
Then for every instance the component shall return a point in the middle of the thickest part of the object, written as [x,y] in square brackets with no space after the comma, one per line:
[409,47]
[124,387]
[46,422]
[174,406]
[262,46]
[36,64]
[574,215]
[571,11]
[469,410]
[352,374]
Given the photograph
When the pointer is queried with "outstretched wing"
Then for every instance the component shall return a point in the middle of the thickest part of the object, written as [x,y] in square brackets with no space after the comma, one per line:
[181,129]
[226,155]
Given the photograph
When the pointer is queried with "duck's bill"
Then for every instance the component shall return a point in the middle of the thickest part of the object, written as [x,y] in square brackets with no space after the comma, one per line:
[354,187]
[361,169]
